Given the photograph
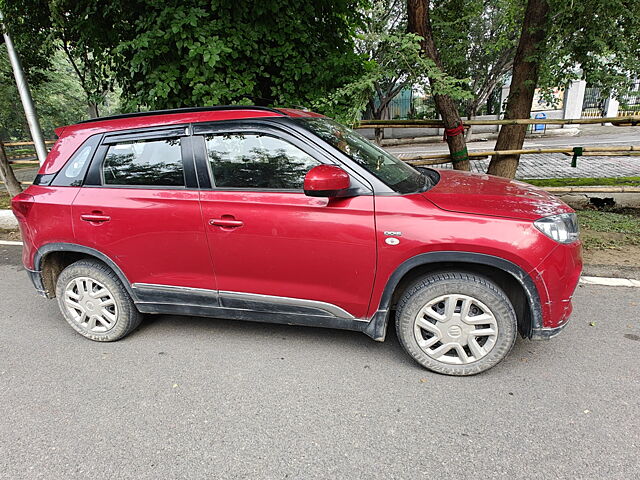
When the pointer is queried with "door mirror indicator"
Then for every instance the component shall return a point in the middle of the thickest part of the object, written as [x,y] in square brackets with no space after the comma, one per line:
[326,181]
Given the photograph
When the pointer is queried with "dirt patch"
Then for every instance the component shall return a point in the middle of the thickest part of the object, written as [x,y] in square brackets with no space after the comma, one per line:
[10,235]
[5,200]
[611,237]
[628,256]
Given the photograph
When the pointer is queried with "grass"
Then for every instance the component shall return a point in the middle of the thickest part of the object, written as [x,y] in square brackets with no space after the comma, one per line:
[5,199]
[16,166]
[583,182]
[609,229]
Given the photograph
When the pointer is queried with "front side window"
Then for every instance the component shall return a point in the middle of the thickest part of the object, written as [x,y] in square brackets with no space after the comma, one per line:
[395,173]
[156,163]
[239,160]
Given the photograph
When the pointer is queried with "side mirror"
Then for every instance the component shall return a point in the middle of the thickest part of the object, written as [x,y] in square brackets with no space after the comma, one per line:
[326,181]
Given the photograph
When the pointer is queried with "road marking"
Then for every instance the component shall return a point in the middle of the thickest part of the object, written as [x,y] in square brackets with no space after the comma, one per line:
[9,242]
[610,282]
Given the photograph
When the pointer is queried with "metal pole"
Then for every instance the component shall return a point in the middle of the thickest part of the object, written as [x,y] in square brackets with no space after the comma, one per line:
[25,96]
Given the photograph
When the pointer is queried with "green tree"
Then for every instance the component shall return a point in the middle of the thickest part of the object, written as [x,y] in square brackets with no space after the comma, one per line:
[597,40]
[207,52]
[202,52]
[419,15]
[394,62]
[84,30]
[526,69]
[58,97]
[480,38]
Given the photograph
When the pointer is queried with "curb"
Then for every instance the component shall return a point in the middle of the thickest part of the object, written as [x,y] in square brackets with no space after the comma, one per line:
[583,197]
[610,282]
[7,220]
[594,189]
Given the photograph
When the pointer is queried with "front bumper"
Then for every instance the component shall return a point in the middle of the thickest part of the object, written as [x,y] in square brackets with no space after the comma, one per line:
[546,333]
[557,278]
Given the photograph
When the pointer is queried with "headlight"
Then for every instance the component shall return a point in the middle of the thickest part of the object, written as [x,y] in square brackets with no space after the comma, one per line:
[562,228]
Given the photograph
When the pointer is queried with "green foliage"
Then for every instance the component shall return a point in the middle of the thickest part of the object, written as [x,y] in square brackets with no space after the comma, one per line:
[25,20]
[85,31]
[58,98]
[393,62]
[208,52]
[166,54]
[341,56]
[595,40]
[477,40]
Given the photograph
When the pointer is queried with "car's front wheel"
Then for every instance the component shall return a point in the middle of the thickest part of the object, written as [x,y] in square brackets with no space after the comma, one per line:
[456,323]
[94,301]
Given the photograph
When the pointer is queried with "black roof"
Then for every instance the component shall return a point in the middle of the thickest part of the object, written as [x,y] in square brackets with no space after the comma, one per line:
[181,110]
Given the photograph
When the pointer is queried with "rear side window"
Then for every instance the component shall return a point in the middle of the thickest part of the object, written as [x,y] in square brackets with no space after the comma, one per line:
[257,161]
[156,163]
[72,175]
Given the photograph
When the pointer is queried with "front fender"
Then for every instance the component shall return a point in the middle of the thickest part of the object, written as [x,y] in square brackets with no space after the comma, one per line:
[380,318]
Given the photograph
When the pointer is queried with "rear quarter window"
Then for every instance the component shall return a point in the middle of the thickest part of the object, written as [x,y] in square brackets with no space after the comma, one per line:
[74,171]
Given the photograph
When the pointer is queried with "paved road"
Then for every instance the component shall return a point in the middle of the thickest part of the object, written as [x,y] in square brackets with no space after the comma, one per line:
[203,398]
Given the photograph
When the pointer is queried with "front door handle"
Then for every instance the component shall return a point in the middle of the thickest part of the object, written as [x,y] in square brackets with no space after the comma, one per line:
[228,222]
[96,218]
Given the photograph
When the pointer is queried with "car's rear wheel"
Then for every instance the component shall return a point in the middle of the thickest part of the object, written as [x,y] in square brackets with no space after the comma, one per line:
[95,303]
[456,323]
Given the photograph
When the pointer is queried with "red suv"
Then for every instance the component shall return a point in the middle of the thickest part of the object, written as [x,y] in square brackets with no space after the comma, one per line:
[286,216]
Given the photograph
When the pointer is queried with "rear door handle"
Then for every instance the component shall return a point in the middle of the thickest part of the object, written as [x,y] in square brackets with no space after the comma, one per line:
[226,222]
[92,217]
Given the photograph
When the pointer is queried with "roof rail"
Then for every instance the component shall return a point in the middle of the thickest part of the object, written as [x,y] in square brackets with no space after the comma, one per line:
[180,110]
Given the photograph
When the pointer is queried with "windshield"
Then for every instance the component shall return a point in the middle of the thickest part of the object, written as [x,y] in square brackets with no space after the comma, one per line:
[400,176]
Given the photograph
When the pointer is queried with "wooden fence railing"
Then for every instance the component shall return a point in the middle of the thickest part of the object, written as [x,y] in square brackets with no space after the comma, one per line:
[17,151]
[632,120]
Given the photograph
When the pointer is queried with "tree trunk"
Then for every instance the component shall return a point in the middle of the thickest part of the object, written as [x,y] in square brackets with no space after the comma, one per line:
[7,175]
[93,110]
[420,24]
[526,69]
[379,135]
[471,113]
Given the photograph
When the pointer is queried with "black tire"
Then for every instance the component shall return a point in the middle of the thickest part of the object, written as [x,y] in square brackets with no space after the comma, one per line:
[122,312]
[438,286]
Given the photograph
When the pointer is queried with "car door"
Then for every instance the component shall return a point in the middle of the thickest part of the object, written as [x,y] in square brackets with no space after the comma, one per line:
[140,207]
[273,247]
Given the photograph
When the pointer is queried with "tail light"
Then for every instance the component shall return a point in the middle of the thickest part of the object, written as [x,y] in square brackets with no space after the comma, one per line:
[21,205]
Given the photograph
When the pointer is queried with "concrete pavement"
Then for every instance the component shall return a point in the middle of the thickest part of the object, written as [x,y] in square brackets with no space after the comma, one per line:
[554,165]
[204,398]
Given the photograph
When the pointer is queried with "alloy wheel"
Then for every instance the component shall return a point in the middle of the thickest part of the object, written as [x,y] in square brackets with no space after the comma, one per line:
[90,304]
[456,329]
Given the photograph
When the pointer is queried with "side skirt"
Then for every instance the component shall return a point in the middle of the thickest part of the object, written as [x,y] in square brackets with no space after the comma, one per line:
[164,299]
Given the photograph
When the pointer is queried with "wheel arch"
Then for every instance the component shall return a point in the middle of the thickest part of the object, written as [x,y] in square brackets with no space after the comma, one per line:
[522,293]
[52,258]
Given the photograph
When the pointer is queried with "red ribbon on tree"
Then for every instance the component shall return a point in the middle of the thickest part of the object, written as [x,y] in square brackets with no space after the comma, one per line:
[452,132]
